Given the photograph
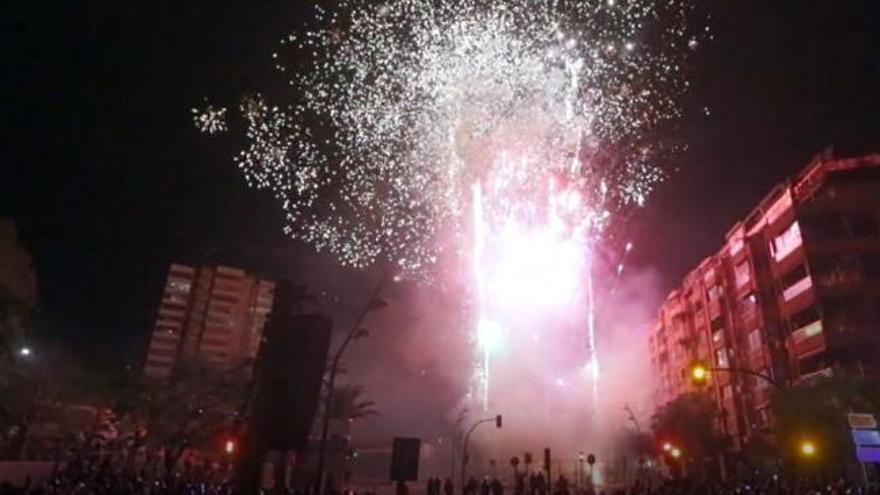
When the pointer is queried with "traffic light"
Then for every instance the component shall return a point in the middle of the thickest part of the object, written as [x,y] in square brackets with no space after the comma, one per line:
[498,421]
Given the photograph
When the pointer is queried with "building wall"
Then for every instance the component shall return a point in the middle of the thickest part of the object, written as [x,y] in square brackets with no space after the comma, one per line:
[794,293]
[212,314]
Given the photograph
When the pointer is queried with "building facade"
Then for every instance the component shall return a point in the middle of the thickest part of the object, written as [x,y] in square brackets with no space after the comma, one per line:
[793,294]
[215,315]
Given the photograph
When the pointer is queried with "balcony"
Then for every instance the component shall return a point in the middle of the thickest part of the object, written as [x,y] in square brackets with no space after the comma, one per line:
[797,288]
[808,378]
[808,339]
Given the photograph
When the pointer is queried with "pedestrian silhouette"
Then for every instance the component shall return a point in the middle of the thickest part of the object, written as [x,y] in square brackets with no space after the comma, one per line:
[448,487]
[472,486]
[484,487]
[496,487]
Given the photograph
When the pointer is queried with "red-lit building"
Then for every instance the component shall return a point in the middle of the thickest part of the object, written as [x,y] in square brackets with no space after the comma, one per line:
[794,293]
[212,314]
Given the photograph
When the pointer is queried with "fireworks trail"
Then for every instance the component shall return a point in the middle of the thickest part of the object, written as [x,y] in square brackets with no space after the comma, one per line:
[539,116]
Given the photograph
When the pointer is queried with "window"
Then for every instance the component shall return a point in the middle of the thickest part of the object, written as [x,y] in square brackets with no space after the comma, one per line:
[743,273]
[793,276]
[727,392]
[795,282]
[755,340]
[721,358]
[761,383]
[178,285]
[748,304]
[764,417]
[715,292]
[718,336]
[803,318]
[786,242]
[736,246]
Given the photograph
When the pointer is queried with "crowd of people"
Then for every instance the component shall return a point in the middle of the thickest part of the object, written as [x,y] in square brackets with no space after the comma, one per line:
[105,478]
[535,484]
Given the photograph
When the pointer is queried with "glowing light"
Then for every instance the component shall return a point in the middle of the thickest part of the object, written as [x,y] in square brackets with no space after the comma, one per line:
[699,373]
[490,337]
[808,448]
[25,351]
[229,446]
[535,267]
[397,107]
[675,452]
[210,120]
[667,446]
[534,114]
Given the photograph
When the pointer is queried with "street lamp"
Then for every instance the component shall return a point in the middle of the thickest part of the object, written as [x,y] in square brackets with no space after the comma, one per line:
[675,452]
[467,436]
[374,303]
[699,373]
[807,448]
[24,351]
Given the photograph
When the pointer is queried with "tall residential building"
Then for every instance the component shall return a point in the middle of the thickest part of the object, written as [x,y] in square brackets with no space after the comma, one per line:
[212,314]
[794,293]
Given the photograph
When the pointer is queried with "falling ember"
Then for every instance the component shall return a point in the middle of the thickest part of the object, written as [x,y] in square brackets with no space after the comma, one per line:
[540,116]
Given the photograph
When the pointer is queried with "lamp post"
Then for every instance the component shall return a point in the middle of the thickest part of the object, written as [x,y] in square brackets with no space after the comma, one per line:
[699,373]
[464,450]
[373,303]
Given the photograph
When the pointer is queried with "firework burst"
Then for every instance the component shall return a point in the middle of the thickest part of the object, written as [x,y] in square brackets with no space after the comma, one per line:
[399,108]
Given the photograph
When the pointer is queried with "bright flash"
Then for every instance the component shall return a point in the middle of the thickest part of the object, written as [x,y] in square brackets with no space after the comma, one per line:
[489,336]
[535,267]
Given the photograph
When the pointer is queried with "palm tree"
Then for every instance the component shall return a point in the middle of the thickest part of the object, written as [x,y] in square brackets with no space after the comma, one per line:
[346,403]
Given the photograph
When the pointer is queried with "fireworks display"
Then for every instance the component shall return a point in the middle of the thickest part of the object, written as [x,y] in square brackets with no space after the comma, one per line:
[210,120]
[398,108]
[502,136]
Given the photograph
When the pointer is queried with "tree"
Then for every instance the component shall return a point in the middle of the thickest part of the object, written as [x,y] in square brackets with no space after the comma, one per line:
[689,423]
[817,411]
[196,406]
[34,390]
[18,288]
[347,404]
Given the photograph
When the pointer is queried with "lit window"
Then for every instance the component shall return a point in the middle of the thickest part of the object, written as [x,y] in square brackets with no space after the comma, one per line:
[761,383]
[721,358]
[743,273]
[755,339]
[727,392]
[786,242]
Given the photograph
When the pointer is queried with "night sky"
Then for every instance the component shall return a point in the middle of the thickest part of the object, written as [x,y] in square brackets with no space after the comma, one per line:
[109,181]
